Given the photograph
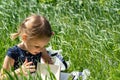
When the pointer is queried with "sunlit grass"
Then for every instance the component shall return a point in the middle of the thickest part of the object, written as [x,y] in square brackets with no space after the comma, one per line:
[88,31]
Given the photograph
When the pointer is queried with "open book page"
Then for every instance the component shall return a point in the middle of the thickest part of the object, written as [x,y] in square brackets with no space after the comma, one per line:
[45,69]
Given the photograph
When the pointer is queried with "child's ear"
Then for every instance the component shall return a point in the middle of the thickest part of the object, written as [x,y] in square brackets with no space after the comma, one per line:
[24,37]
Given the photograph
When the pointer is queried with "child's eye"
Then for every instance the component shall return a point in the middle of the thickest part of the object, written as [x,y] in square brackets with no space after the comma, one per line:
[37,47]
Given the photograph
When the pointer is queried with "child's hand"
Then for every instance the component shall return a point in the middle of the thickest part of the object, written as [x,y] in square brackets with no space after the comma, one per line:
[27,66]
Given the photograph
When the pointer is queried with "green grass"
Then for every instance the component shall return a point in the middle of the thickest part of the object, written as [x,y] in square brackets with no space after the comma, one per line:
[88,31]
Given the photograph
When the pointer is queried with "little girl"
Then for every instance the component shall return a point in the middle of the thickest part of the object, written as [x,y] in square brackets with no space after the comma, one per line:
[35,33]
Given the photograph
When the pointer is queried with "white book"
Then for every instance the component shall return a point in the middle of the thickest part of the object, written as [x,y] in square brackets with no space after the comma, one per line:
[45,69]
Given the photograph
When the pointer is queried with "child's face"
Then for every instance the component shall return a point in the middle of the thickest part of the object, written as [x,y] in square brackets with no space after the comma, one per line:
[35,46]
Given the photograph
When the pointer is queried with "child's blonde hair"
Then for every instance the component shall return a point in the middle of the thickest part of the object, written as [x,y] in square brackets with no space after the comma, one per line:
[40,27]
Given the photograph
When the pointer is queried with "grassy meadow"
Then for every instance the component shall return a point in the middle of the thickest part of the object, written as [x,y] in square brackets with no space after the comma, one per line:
[88,32]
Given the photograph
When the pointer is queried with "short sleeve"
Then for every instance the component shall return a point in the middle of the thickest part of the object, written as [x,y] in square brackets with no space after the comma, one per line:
[12,53]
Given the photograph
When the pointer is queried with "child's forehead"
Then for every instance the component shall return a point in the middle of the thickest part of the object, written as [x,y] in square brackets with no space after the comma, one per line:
[41,42]
[36,40]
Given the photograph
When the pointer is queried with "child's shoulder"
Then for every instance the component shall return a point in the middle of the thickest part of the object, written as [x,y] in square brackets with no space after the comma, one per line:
[13,49]
[14,52]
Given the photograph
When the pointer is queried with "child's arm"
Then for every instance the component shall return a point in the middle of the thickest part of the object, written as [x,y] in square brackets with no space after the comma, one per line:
[46,58]
[7,64]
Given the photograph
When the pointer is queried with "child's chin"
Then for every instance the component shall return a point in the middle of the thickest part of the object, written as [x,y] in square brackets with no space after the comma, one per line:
[35,53]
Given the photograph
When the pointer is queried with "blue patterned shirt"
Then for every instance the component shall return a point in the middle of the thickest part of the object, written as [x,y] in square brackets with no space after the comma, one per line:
[19,55]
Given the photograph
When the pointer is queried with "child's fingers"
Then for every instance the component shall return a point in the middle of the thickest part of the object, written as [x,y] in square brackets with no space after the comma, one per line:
[30,67]
[27,66]
[32,70]
[28,63]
